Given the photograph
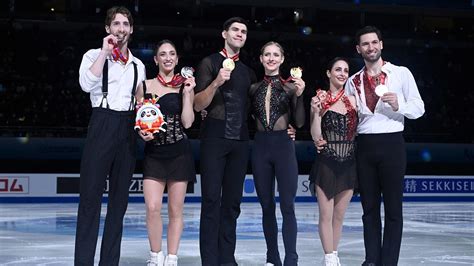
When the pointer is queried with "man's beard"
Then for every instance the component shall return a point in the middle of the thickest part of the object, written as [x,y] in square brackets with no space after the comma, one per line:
[373,59]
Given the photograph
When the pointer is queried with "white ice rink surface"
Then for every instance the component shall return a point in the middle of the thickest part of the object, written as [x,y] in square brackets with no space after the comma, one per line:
[433,234]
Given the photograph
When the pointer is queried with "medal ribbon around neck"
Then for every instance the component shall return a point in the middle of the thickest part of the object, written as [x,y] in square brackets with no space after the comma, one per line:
[378,79]
[176,81]
[234,57]
[268,80]
[330,100]
[117,54]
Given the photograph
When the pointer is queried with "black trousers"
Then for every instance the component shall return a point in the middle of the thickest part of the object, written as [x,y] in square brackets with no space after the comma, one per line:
[110,150]
[381,165]
[223,168]
[273,155]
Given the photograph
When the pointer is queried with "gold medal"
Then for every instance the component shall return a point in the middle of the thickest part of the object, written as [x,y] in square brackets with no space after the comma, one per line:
[296,72]
[228,64]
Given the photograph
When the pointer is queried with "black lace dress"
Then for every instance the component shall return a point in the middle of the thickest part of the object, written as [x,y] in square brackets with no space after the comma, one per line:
[284,106]
[334,169]
[169,154]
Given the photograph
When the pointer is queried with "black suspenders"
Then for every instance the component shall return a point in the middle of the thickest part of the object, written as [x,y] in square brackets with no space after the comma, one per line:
[105,86]
[133,100]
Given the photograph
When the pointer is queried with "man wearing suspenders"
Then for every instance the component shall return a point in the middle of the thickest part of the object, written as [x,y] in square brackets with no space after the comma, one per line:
[110,75]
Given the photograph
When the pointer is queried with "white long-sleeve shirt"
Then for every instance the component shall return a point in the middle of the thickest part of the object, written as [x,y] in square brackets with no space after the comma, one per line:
[120,80]
[384,120]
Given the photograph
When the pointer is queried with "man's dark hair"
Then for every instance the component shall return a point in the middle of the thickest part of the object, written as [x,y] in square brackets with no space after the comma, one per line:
[118,10]
[229,22]
[365,30]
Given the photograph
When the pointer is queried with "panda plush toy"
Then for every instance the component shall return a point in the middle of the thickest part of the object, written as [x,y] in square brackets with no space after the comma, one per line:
[149,117]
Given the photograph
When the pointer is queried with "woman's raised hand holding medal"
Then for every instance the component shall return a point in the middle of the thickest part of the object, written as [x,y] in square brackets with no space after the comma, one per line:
[296,73]
[188,74]
[316,101]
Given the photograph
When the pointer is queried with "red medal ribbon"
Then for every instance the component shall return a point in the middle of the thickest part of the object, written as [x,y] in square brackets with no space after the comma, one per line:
[377,79]
[234,58]
[117,54]
[330,100]
[268,80]
[282,80]
[176,81]
[290,78]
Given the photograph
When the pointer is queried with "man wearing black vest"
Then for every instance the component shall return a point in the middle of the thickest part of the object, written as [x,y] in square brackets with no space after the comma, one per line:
[110,75]
[222,84]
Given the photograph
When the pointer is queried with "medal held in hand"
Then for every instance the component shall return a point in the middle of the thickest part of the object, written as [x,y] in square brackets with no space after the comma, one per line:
[117,55]
[296,72]
[381,90]
[321,94]
[380,87]
[149,117]
[229,61]
[228,64]
[187,72]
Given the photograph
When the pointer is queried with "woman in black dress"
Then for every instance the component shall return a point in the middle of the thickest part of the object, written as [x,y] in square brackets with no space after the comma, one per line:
[168,156]
[334,119]
[275,103]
